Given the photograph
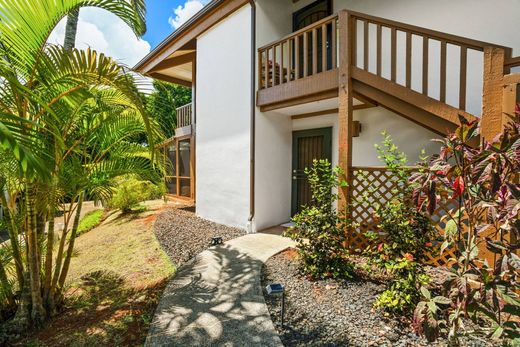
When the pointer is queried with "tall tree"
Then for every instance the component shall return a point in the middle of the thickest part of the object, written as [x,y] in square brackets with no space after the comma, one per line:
[164,101]
[67,118]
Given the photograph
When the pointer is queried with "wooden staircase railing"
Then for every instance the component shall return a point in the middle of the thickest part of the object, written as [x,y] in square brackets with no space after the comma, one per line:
[394,40]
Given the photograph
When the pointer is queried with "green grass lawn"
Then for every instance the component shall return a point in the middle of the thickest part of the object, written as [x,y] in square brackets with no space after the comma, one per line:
[116,278]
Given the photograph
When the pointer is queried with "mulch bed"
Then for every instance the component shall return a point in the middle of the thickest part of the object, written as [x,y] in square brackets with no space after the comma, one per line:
[334,313]
[183,235]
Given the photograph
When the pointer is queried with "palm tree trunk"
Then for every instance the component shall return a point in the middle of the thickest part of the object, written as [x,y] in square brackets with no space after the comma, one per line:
[21,318]
[41,220]
[12,230]
[70,249]
[71,29]
[6,287]
[49,302]
[59,253]
[37,310]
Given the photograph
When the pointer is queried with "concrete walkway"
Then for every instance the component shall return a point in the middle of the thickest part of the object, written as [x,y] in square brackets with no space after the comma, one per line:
[216,299]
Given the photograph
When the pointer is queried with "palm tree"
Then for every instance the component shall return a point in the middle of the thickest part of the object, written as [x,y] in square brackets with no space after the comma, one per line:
[71,28]
[64,116]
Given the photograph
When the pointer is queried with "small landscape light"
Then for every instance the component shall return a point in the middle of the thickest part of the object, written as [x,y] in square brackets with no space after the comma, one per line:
[217,240]
[277,288]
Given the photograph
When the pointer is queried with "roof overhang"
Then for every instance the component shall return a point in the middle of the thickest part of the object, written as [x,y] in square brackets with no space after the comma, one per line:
[173,59]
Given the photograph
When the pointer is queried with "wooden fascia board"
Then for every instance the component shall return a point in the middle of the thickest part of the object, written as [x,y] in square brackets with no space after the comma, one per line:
[170,79]
[330,111]
[300,88]
[303,100]
[197,28]
[315,114]
[175,61]
[435,107]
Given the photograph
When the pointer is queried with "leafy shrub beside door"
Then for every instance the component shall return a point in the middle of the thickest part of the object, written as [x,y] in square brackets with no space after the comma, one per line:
[319,230]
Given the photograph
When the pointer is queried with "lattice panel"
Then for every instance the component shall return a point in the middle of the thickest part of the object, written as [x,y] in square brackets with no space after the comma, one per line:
[374,187]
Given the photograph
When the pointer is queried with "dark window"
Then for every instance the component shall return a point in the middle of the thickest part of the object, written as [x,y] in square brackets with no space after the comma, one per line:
[311,13]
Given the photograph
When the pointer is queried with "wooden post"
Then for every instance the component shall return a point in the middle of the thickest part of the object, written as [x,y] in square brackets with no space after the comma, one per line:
[492,118]
[345,103]
[510,97]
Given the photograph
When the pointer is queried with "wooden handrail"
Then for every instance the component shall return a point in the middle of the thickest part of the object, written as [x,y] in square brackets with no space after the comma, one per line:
[432,34]
[184,115]
[299,32]
[513,78]
[512,62]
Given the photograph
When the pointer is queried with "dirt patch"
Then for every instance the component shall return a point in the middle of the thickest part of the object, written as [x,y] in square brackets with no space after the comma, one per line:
[104,313]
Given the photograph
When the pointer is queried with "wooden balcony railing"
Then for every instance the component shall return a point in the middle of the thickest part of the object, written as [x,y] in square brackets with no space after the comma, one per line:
[184,115]
[306,52]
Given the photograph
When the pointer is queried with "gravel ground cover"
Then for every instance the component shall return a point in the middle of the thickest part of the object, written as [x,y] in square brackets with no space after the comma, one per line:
[183,235]
[334,313]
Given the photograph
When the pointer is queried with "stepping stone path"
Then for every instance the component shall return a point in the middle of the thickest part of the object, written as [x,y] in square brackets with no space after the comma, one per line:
[216,298]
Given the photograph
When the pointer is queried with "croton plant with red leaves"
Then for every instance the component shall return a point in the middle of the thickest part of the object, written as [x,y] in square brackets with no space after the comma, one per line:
[483,177]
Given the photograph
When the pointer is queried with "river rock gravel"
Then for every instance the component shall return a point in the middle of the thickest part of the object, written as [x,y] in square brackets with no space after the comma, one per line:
[183,235]
[333,313]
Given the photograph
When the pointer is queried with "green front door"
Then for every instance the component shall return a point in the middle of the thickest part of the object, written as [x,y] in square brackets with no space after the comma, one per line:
[307,146]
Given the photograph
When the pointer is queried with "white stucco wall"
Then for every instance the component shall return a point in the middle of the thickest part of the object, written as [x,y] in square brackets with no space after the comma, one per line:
[274,20]
[408,136]
[273,131]
[223,120]
[223,101]
[272,170]
[274,152]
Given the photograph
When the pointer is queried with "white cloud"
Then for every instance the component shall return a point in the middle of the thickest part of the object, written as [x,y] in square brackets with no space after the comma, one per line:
[104,32]
[184,13]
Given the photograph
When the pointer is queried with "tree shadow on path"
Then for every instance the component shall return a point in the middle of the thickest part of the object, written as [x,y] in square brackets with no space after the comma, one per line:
[216,300]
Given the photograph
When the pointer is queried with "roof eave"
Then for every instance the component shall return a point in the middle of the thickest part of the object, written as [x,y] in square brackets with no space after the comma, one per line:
[193,21]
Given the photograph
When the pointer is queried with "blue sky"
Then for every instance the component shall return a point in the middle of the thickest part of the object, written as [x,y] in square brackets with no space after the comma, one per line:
[106,33]
[158,14]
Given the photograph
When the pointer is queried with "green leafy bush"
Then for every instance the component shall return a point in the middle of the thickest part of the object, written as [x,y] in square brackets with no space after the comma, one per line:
[90,221]
[319,231]
[130,192]
[402,293]
[407,237]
